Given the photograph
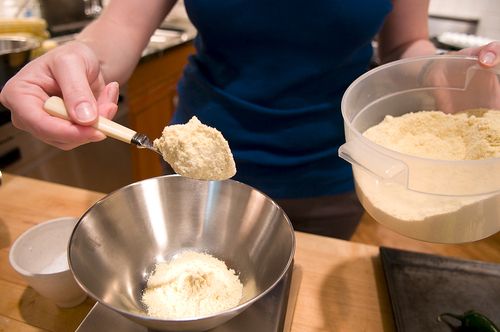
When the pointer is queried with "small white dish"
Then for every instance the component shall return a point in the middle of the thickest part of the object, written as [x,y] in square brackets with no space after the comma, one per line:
[40,256]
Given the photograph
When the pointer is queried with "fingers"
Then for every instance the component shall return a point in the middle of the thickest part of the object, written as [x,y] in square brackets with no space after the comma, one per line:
[108,99]
[71,135]
[73,71]
[51,130]
[76,78]
[488,55]
[107,106]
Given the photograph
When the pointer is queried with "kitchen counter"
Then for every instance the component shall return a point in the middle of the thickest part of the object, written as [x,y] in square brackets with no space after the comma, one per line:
[342,286]
[169,34]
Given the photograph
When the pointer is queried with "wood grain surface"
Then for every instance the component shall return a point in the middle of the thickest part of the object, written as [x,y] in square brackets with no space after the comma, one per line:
[342,287]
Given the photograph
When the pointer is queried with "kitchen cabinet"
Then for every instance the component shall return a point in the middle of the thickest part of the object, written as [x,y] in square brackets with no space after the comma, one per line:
[151,94]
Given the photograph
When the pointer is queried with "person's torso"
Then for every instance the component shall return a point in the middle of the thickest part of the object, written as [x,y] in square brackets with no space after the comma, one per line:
[270,76]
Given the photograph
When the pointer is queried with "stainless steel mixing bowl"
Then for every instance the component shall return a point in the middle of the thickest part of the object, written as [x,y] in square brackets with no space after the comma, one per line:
[117,242]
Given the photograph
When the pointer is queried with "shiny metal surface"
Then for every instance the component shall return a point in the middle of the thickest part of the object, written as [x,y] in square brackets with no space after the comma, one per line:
[118,240]
[143,142]
[268,314]
[15,52]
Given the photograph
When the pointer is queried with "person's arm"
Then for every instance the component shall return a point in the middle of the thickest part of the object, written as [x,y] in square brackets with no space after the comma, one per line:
[405,31]
[405,34]
[121,33]
[82,72]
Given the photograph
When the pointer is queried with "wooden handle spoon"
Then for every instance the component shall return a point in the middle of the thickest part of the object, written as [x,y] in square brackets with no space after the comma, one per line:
[55,107]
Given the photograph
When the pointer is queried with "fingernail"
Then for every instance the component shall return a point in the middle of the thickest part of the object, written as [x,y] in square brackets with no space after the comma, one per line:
[488,58]
[113,92]
[84,112]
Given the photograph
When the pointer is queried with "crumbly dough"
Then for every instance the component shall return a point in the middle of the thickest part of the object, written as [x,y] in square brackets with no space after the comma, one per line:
[455,217]
[197,151]
[192,285]
[471,135]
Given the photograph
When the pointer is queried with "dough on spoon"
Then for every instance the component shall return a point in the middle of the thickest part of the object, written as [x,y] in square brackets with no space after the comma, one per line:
[196,151]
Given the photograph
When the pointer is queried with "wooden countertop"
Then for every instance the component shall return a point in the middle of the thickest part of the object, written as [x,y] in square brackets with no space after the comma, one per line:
[342,284]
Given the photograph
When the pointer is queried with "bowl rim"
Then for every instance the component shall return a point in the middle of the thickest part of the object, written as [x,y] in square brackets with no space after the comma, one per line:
[150,319]
[359,136]
[14,248]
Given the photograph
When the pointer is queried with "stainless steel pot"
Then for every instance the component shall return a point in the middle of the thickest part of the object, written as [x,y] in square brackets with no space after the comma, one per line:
[15,52]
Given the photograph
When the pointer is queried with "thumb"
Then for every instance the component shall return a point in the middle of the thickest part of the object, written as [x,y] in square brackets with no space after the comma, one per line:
[74,73]
[81,111]
[488,54]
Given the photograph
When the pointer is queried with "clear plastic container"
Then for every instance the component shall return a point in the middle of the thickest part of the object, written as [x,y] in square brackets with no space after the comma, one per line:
[426,199]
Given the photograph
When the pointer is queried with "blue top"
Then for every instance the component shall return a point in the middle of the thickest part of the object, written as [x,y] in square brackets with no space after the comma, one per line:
[270,75]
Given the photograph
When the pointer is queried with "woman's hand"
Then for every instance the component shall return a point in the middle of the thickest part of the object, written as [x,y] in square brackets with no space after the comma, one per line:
[107,49]
[73,72]
[488,55]
[475,84]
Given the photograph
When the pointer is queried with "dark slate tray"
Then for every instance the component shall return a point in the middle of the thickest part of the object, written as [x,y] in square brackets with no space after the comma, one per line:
[422,286]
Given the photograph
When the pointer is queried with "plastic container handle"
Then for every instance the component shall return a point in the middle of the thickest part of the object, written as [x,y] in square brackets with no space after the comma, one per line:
[475,68]
[55,107]
[382,166]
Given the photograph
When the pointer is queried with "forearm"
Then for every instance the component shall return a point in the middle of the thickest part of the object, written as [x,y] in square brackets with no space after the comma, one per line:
[119,35]
[117,55]
[404,33]
[418,47]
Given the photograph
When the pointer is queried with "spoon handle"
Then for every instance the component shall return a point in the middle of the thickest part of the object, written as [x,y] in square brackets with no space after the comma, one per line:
[55,107]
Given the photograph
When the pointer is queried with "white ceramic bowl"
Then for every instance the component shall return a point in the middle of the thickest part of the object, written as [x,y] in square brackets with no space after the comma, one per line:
[40,256]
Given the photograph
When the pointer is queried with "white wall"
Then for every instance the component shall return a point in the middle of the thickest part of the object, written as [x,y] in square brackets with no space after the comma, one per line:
[487,12]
